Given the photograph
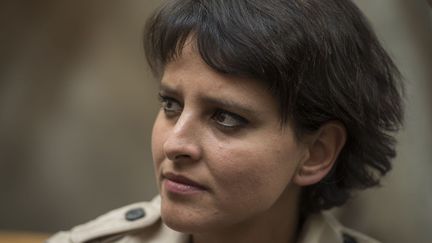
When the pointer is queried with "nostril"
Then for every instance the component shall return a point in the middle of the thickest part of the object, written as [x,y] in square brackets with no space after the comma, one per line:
[182,156]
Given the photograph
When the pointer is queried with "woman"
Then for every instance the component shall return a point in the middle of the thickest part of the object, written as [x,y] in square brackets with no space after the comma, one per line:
[271,111]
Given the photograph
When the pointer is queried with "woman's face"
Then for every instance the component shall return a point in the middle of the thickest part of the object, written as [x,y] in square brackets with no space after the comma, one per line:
[221,157]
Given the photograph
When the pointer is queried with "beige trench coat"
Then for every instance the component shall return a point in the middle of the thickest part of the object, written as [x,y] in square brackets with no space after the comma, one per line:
[140,223]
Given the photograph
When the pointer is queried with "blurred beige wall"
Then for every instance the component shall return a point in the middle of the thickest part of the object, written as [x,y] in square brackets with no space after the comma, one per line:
[77,104]
[401,211]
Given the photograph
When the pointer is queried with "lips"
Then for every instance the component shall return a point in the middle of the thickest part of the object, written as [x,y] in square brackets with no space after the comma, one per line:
[183,180]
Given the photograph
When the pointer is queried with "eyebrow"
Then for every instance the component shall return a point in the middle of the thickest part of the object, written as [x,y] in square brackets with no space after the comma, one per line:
[214,101]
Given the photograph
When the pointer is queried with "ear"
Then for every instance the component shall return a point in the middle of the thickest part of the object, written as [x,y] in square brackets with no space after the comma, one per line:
[323,147]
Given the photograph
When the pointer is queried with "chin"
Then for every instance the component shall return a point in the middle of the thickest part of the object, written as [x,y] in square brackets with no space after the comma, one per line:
[183,223]
[187,220]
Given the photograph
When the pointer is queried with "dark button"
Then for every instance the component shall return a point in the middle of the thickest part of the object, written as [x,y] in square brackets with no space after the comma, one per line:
[348,239]
[134,214]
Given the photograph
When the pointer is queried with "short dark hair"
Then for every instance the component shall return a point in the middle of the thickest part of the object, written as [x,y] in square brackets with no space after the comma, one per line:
[321,61]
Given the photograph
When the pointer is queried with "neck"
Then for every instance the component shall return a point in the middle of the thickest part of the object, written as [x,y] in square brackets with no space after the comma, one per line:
[277,225]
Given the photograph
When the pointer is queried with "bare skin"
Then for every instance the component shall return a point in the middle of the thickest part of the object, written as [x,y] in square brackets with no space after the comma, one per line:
[277,225]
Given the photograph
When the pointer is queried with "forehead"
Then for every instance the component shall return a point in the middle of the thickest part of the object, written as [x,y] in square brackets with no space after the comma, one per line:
[188,66]
[188,74]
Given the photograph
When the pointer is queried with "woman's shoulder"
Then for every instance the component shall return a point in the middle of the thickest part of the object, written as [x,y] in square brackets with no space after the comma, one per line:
[138,222]
[325,228]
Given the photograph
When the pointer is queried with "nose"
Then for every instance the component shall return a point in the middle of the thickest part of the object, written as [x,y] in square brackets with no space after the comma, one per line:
[182,143]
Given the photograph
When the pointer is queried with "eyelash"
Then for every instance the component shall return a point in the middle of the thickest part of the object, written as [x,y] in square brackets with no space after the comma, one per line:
[164,100]
[239,120]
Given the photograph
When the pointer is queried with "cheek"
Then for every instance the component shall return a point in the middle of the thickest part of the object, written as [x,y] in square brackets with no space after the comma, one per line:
[252,177]
[157,139]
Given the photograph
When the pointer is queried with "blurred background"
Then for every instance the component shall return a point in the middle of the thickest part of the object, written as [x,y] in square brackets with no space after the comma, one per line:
[77,103]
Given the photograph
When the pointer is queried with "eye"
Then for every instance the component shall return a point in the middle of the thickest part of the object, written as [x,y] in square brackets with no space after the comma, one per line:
[228,119]
[170,105]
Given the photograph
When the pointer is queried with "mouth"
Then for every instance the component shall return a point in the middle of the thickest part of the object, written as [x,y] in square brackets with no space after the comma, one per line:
[179,184]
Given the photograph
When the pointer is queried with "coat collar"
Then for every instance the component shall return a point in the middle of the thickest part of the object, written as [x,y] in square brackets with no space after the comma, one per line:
[318,228]
[148,227]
